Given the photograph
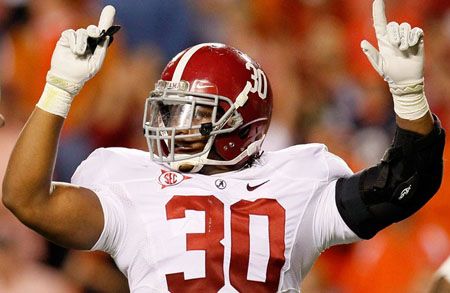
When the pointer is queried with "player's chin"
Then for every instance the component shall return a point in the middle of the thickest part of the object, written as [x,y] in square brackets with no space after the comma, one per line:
[189,148]
[185,168]
[187,151]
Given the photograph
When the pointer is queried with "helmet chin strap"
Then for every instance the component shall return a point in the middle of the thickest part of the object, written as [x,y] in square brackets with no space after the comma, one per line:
[202,160]
[197,163]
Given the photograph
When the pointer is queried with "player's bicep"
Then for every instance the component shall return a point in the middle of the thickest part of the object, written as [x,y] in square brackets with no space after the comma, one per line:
[72,216]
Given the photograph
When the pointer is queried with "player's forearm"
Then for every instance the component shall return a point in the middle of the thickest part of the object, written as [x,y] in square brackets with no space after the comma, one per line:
[407,177]
[75,60]
[422,126]
[30,168]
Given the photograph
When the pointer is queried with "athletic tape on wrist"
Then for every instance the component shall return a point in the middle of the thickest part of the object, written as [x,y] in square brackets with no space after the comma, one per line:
[73,88]
[409,100]
[55,100]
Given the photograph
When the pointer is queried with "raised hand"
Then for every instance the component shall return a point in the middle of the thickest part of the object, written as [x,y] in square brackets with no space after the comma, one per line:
[400,61]
[74,62]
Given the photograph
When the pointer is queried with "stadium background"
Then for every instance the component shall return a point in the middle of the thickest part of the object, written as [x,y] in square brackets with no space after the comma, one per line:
[324,88]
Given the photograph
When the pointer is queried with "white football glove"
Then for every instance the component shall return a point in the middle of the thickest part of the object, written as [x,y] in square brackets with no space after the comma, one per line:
[400,62]
[73,64]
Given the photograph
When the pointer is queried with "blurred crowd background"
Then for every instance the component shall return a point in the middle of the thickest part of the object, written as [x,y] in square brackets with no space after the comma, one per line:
[324,91]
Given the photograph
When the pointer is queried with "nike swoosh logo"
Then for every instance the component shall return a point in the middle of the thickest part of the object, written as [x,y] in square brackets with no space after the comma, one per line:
[251,188]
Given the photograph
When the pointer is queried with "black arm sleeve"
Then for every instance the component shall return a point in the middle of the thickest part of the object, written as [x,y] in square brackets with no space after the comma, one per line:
[409,174]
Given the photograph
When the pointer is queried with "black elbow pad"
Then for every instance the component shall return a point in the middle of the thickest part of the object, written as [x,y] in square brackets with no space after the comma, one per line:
[409,174]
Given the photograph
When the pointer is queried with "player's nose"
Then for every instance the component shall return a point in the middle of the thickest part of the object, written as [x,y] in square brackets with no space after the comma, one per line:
[186,132]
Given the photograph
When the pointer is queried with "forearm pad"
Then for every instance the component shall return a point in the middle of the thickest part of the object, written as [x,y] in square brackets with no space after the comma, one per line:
[407,177]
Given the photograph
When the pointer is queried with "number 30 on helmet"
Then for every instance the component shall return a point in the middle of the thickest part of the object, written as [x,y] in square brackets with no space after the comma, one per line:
[212,106]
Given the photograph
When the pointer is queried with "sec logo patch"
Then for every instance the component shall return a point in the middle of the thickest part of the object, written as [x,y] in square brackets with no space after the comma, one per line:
[171,178]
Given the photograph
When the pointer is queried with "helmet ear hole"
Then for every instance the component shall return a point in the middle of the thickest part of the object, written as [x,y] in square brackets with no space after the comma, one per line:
[244,131]
[220,113]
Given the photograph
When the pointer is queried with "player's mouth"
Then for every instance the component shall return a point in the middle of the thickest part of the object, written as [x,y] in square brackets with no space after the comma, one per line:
[189,147]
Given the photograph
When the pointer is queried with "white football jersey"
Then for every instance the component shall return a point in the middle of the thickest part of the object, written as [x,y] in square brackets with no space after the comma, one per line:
[255,230]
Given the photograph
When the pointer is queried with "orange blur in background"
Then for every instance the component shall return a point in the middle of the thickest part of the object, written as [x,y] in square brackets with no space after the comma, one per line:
[324,91]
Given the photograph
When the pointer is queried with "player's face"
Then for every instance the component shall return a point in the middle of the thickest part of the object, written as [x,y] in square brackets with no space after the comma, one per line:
[196,143]
[186,119]
[181,128]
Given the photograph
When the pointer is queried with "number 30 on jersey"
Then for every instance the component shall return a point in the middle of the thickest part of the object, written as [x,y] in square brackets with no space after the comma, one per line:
[242,243]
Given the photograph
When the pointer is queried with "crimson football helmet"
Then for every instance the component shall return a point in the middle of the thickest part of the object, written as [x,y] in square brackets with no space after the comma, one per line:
[210,97]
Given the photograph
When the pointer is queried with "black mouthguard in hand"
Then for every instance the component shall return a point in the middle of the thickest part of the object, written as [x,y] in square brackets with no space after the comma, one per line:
[93,42]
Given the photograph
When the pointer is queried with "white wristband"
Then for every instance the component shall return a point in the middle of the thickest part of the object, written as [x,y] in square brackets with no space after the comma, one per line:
[410,102]
[55,100]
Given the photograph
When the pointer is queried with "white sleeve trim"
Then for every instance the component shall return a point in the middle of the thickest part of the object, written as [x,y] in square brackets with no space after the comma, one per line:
[329,226]
[114,224]
[102,239]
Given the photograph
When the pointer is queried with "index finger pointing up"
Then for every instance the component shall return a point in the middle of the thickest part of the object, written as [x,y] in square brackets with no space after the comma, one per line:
[379,17]
[106,17]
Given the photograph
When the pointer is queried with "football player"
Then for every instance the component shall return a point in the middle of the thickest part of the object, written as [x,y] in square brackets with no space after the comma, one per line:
[204,210]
